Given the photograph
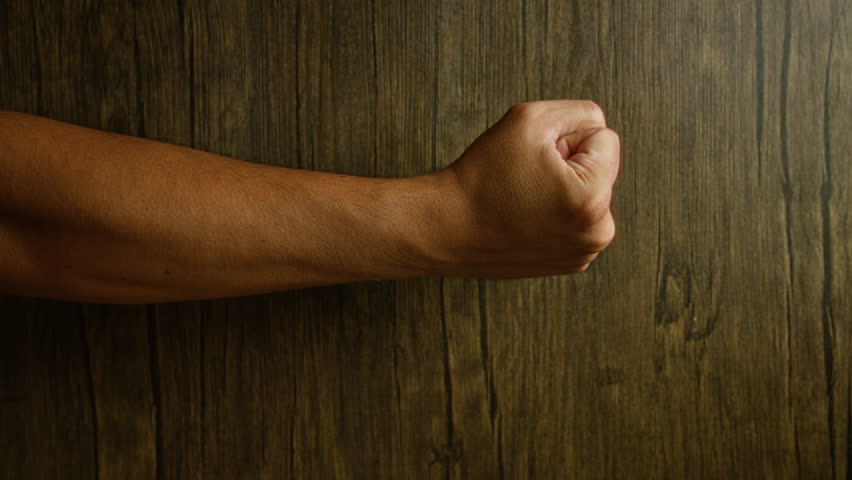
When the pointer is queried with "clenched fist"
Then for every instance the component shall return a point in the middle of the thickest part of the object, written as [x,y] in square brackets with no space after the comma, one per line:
[531,196]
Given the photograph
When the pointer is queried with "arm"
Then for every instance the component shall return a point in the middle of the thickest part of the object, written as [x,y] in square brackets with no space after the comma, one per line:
[94,216]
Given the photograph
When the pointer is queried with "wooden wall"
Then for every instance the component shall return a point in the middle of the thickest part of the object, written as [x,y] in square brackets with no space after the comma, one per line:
[713,339]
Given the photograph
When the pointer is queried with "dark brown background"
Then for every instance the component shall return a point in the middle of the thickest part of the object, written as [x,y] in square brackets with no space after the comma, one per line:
[712,340]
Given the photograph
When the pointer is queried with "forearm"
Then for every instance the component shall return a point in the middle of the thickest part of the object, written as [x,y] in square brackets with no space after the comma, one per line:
[96,216]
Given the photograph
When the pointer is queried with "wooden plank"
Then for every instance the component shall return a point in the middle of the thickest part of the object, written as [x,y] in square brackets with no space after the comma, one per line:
[479,77]
[177,367]
[43,356]
[20,58]
[89,78]
[810,36]
[712,340]
[543,341]
[165,107]
[350,378]
[407,46]
[806,371]
[121,385]
[836,196]
[47,426]
[229,85]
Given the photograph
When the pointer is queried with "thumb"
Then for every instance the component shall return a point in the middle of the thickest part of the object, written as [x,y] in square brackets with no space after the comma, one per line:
[593,156]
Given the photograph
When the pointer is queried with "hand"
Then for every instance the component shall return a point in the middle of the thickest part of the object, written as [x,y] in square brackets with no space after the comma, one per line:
[532,193]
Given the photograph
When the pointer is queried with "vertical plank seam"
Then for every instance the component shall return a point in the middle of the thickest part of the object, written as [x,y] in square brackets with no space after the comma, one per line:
[788,194]
[602,79]
[91,385]
[613,61]
[375,91]
[396,368]
[524,50]
[297,26]
[531,457]
[190,59]
[759,85]
[39,70]
[395,314]
[500,468]
[825,197]
[661,277]
[487,367]
[849,428]
[437,69]
[448,385]
[298,64]
[202,392]
[541,62]
[193,133]
[156,389]
[140,111]
[293,410]
[447,374]
[488,370]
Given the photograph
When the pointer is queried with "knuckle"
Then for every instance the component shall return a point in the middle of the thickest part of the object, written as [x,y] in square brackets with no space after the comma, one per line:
[518,108]
[593,109]
[592,209]
[524,110]
[578,268]
[601,238]
[613,135]
[595,237]
[581,262]
[608,234]
[595,244]
[613,152]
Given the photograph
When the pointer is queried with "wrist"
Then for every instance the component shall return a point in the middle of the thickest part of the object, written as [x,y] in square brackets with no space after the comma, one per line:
[436,220]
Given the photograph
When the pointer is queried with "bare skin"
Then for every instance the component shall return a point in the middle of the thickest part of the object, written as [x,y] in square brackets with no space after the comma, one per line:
[93,216]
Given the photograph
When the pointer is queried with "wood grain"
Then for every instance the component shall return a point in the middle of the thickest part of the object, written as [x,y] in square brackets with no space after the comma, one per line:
[713,339]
